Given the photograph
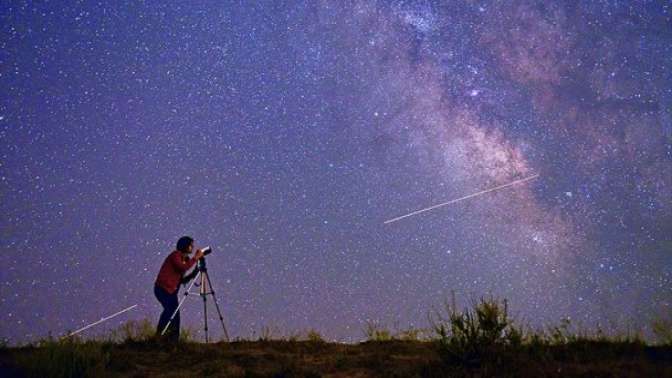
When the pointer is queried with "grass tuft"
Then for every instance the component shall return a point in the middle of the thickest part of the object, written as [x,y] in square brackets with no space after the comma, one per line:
[375,332]
[133,332]
[662,329]
[314,337]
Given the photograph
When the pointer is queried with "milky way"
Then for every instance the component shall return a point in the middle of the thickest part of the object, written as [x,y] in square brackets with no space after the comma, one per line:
[284,136]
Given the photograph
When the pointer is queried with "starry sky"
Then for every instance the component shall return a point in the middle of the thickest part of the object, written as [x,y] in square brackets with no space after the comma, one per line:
[285,134]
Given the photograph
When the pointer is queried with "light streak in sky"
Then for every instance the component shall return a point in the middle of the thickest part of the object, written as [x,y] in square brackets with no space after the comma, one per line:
[461,199]
[101,320]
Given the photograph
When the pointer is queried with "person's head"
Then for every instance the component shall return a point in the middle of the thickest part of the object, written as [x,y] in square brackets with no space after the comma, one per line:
[185,244]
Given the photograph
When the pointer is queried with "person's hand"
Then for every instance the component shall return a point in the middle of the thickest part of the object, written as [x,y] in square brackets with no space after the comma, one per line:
[198,254]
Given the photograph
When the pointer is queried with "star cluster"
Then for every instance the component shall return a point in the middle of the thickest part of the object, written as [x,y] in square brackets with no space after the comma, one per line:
[285,135]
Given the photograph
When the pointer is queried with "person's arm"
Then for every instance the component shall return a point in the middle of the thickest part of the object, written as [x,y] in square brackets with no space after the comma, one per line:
[182,266]
[185,279]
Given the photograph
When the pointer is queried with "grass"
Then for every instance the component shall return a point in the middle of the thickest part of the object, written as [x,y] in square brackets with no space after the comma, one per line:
[68,358]
[662,329]
[482,340]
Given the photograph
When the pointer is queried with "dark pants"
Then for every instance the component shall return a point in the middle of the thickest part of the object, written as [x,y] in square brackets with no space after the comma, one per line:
[169,303]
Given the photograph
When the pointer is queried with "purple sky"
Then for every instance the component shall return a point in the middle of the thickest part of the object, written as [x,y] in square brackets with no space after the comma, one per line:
[284,136]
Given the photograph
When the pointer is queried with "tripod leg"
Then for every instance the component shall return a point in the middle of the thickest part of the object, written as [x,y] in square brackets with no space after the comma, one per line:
[214,298]
[204,295]
[205,317]
[186,293]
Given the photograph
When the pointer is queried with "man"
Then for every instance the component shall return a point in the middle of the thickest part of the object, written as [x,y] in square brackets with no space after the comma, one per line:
[168,281]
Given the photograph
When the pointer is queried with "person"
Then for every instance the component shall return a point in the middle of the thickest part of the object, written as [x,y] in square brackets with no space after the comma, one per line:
[166,287]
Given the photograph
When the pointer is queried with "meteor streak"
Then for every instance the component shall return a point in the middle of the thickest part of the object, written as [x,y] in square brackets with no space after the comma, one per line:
[100,321]
[460,199]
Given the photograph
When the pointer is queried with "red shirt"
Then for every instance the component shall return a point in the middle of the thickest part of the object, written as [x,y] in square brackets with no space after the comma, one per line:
[172,270]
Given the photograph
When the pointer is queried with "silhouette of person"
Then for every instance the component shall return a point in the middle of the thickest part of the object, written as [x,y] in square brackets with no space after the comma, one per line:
[166,287]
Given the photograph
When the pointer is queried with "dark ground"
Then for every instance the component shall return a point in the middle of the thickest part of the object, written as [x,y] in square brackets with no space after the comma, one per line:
[320,359]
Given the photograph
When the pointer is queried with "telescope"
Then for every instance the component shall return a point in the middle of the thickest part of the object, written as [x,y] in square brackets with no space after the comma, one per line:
[206,251]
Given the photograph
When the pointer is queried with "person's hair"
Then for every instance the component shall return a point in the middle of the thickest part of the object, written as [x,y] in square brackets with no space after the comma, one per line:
[184,243]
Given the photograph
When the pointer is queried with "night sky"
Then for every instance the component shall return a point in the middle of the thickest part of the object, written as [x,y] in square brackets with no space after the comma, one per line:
[284,135]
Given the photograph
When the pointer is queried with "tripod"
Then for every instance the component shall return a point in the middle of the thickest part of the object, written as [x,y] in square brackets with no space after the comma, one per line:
[205,289]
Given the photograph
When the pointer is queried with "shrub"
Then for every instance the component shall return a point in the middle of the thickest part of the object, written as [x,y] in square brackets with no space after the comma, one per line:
[468,336]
